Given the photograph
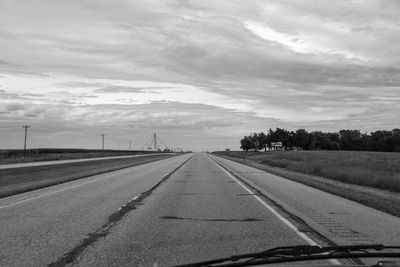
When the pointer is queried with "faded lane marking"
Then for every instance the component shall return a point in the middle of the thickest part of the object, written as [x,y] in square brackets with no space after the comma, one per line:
[7,205]
[54,162]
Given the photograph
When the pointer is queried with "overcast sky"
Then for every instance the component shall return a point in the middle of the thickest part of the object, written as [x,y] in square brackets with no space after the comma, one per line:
[201,73]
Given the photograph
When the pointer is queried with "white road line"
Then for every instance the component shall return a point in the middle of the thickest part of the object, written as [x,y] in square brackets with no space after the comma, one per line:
[7,205]
[53,162]
[46,194]
[280,217]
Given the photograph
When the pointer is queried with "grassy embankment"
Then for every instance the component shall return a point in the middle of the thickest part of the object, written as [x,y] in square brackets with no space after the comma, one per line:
[371,178]
[19,180]
[9,156]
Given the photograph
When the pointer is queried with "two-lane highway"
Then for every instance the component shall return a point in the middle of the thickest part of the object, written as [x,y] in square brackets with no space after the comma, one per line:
[199,213]
[178,210]
[38,227]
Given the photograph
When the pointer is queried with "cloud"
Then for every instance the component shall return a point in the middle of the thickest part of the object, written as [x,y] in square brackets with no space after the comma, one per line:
[297,43]
[198,69]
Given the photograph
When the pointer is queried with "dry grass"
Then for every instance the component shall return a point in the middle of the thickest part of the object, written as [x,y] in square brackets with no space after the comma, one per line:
[373,169]
[383,200]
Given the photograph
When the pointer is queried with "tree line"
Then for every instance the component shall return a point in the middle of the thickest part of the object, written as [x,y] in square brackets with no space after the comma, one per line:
[381,140]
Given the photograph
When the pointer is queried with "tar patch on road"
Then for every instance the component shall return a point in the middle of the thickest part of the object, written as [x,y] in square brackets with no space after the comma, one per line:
[71,256]
[204,181]
[197,194]
[210,220]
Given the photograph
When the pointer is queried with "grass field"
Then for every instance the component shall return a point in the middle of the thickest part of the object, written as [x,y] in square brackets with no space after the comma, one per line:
[19,180]
[45,154]
[373,169]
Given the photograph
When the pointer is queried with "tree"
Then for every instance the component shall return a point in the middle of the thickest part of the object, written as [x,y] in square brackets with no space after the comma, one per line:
[247,143]
[261,140]
[301,138]
[320,140]
[350,139]
[382,140]
[279,135]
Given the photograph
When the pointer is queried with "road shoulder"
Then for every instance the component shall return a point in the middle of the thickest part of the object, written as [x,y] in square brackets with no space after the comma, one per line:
[382,200]
[341,220]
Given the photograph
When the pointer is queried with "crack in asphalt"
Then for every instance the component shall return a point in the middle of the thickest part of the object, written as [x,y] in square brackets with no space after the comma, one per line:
[71,256]
[210,220]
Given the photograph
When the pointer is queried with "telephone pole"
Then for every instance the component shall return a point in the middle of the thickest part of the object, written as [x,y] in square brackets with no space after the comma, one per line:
[130,144]
[102,142]
[26,132]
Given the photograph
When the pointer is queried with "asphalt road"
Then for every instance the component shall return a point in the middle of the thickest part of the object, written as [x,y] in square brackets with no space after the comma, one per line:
[177,210]
[64,161]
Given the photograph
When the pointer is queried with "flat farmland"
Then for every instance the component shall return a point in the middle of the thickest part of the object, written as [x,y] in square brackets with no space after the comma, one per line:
[11,156]
[374,169]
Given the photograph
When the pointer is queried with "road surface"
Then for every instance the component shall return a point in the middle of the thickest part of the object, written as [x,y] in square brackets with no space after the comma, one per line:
[64,161]
[187,208]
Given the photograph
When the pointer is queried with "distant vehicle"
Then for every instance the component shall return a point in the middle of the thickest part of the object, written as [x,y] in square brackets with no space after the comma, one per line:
[279,255]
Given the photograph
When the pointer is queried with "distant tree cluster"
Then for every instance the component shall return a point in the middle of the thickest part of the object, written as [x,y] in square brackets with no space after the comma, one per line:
[388,141]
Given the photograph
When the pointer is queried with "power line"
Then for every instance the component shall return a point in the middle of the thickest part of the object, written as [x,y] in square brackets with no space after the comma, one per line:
[159,140]
[154,143]
[149,143]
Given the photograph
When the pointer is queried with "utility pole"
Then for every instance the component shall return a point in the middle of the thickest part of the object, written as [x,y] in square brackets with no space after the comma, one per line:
[130,144]
[102,142]
[155,141]
[26,132]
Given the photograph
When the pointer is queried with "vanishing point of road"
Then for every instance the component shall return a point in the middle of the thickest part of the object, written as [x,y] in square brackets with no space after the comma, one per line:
[177,210]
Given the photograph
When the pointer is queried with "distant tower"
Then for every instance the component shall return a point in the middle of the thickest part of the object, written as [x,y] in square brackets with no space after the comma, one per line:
[155,141]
